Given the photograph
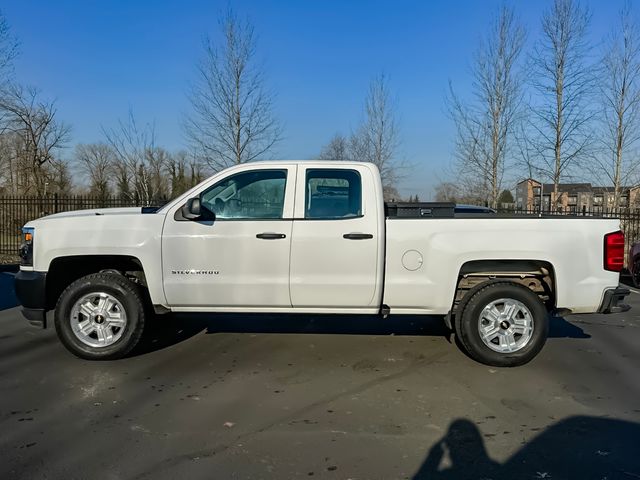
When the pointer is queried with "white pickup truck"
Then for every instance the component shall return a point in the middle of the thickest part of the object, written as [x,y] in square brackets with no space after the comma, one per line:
[315,237]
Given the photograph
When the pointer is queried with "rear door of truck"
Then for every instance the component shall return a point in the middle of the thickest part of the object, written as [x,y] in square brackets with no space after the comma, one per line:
[336,246]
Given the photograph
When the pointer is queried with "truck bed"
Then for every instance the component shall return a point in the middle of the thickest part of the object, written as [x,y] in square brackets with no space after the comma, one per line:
[420,254]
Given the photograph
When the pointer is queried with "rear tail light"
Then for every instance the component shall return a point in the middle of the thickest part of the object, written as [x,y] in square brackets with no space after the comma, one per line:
[614,251]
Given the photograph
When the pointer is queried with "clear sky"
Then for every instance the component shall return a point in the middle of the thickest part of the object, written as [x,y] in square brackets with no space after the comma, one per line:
[98,59]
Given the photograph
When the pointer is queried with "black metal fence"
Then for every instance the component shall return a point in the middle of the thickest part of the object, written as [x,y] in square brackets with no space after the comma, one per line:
[18,210]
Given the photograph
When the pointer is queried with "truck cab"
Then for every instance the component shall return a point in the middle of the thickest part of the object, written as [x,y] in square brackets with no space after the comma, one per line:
[301,235]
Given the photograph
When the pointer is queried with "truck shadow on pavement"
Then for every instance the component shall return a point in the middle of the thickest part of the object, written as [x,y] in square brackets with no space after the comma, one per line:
[7,294]
[579,447]
[170,329]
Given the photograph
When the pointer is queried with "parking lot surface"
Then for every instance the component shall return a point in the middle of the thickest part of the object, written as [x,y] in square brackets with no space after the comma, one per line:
[283,397]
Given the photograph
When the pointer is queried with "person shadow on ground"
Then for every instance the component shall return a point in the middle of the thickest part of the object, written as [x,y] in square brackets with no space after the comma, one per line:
[466,453]
[577,447]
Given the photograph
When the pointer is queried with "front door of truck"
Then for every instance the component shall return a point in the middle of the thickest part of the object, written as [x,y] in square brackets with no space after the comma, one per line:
[336,244]
[242,257]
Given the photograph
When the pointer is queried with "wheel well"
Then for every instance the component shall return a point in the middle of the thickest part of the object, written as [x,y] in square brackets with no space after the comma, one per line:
[65,270]
[537,275]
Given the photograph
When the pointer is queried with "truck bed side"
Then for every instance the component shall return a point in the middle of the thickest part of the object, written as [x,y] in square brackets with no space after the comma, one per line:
[424,257]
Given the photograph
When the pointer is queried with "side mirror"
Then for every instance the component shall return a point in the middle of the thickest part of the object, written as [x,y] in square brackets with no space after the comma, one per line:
[193,210]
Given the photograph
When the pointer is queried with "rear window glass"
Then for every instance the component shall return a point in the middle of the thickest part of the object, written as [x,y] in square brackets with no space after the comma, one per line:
[332,194]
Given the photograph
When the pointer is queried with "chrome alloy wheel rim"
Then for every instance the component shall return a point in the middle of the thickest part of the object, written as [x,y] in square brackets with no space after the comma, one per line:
[98,319]
[505,325]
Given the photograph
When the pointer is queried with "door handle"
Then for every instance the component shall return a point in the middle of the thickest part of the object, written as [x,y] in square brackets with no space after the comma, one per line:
[357,236]
[271,236]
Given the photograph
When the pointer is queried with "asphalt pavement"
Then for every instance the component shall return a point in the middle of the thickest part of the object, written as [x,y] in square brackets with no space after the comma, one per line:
[284,397]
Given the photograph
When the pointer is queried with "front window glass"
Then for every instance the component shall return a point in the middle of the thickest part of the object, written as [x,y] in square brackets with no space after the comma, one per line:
[257,194]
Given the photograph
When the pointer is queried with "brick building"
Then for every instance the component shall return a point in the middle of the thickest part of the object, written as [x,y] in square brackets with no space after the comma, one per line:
[573,197]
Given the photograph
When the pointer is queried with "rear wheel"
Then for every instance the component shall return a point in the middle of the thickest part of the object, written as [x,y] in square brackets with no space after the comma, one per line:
[503,324]
[100,316]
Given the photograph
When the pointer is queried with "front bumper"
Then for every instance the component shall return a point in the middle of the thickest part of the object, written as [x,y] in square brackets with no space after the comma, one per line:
[612,301]
[32,295]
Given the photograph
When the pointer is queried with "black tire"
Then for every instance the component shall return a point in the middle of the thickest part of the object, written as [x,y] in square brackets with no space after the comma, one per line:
[126,292]
[468,318]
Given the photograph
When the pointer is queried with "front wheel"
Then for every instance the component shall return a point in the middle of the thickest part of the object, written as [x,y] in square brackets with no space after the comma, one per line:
[503,324]
[100,316]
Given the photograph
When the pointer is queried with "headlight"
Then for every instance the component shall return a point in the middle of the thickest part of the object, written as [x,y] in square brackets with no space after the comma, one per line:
[26,249]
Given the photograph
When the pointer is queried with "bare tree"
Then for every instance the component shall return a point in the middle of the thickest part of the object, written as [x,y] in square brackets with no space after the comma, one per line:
[620,164]
[184,172]
[13,176]
[97,162]
[377,139]
[8,51]
[336,149]
[59,180]
[564,82]
[157,160]
[32,122]
[232,118]
[485,126]
[525,150]
[447,192]
[133,146]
